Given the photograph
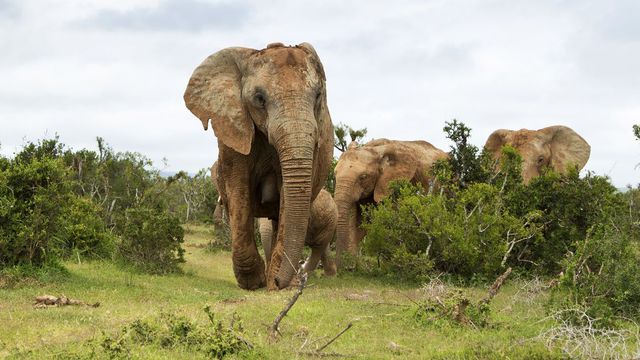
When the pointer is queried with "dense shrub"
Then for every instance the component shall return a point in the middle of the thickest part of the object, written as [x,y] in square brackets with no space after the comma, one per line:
[601,276]
[57,203]
[470,234]
[151,240]
[35,193]
[571,206]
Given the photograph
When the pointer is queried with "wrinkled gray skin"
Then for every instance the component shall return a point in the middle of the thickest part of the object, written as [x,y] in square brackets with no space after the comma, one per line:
[557,147]
[363,174]
[322,227]
[268,109]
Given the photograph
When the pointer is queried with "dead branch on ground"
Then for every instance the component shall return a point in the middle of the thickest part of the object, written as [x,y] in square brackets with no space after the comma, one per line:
[493,290]
[274,328]
[44,301]
[318,352]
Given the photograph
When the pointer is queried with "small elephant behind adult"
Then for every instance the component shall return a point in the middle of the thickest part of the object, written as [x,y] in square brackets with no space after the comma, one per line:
[363,174]
[322,226]
[557,147]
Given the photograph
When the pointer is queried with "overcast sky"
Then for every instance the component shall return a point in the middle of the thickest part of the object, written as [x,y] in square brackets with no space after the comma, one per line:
[118,69]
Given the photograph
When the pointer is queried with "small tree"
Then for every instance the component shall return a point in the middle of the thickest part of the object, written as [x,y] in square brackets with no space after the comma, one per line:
[467,163]
[341,131]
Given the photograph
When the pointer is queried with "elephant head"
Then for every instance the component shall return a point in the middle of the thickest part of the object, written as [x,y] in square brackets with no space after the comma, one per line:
[363,174]
[557,147]
[275,96]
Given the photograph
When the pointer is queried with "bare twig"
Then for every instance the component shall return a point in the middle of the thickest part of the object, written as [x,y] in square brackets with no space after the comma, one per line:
[335,337]
[274,329]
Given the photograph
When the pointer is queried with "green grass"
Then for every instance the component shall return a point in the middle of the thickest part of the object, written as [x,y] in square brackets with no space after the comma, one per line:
[381,313]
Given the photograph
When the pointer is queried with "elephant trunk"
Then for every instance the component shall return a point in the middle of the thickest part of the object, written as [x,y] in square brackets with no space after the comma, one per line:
[345,237]
[296,151]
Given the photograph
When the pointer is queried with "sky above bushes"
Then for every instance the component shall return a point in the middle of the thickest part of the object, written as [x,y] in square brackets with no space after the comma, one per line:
[118,69]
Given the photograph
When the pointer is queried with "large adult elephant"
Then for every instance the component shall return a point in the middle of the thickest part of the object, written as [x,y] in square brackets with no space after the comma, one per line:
[268,109]
[363,174]
[322,227]
[557,147]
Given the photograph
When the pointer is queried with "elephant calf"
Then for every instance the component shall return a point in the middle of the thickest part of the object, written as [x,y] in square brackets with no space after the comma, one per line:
[557,147]
[363,174]
[322,226]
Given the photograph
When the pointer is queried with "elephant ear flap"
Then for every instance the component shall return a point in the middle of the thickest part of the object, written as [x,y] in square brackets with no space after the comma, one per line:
[496,140]
[567,148]
[214,93]
[392,168]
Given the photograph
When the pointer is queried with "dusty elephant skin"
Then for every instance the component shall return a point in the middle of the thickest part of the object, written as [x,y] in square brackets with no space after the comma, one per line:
[363,174]
[268,109]
[322,226]
[557,147]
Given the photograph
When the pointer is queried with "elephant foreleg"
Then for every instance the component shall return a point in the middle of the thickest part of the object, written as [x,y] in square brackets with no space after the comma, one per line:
[248,266]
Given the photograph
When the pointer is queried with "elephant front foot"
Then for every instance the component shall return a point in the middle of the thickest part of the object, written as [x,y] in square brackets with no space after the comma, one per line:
[250,279]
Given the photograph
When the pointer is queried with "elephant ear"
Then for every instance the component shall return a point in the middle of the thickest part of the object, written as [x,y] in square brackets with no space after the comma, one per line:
[214,93]
[393,166]
[496,140]
[567,148]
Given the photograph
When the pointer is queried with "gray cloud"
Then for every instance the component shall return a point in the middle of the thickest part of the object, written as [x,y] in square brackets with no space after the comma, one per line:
[169,15]
[401,71]
[9,9]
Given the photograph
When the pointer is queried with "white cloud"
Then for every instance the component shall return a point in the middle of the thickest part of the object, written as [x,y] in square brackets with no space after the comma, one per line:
[117,69]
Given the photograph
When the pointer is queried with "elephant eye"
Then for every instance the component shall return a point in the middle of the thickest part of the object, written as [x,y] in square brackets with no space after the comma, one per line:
[259,100]
[540,159]
[363,176]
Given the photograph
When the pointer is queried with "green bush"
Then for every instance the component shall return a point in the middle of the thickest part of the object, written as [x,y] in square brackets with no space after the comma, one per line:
[167,331]
[56,204]
[151,240]
[571,206]
[411,231]
[34,198]
[41,219]
[84,232]
[601,276]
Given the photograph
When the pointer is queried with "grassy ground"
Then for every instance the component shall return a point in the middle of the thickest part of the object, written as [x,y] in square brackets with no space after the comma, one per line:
[381,313]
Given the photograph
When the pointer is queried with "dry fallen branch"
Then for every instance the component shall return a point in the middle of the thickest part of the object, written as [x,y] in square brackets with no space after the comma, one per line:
[493,290]
[274,328]
[586,340]
[44,301]
[335,337]
[318,352]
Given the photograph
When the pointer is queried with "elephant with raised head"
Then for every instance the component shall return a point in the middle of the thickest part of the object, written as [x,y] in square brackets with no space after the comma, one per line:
[557,147]
[322,227]
[268,109]
[363,174]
